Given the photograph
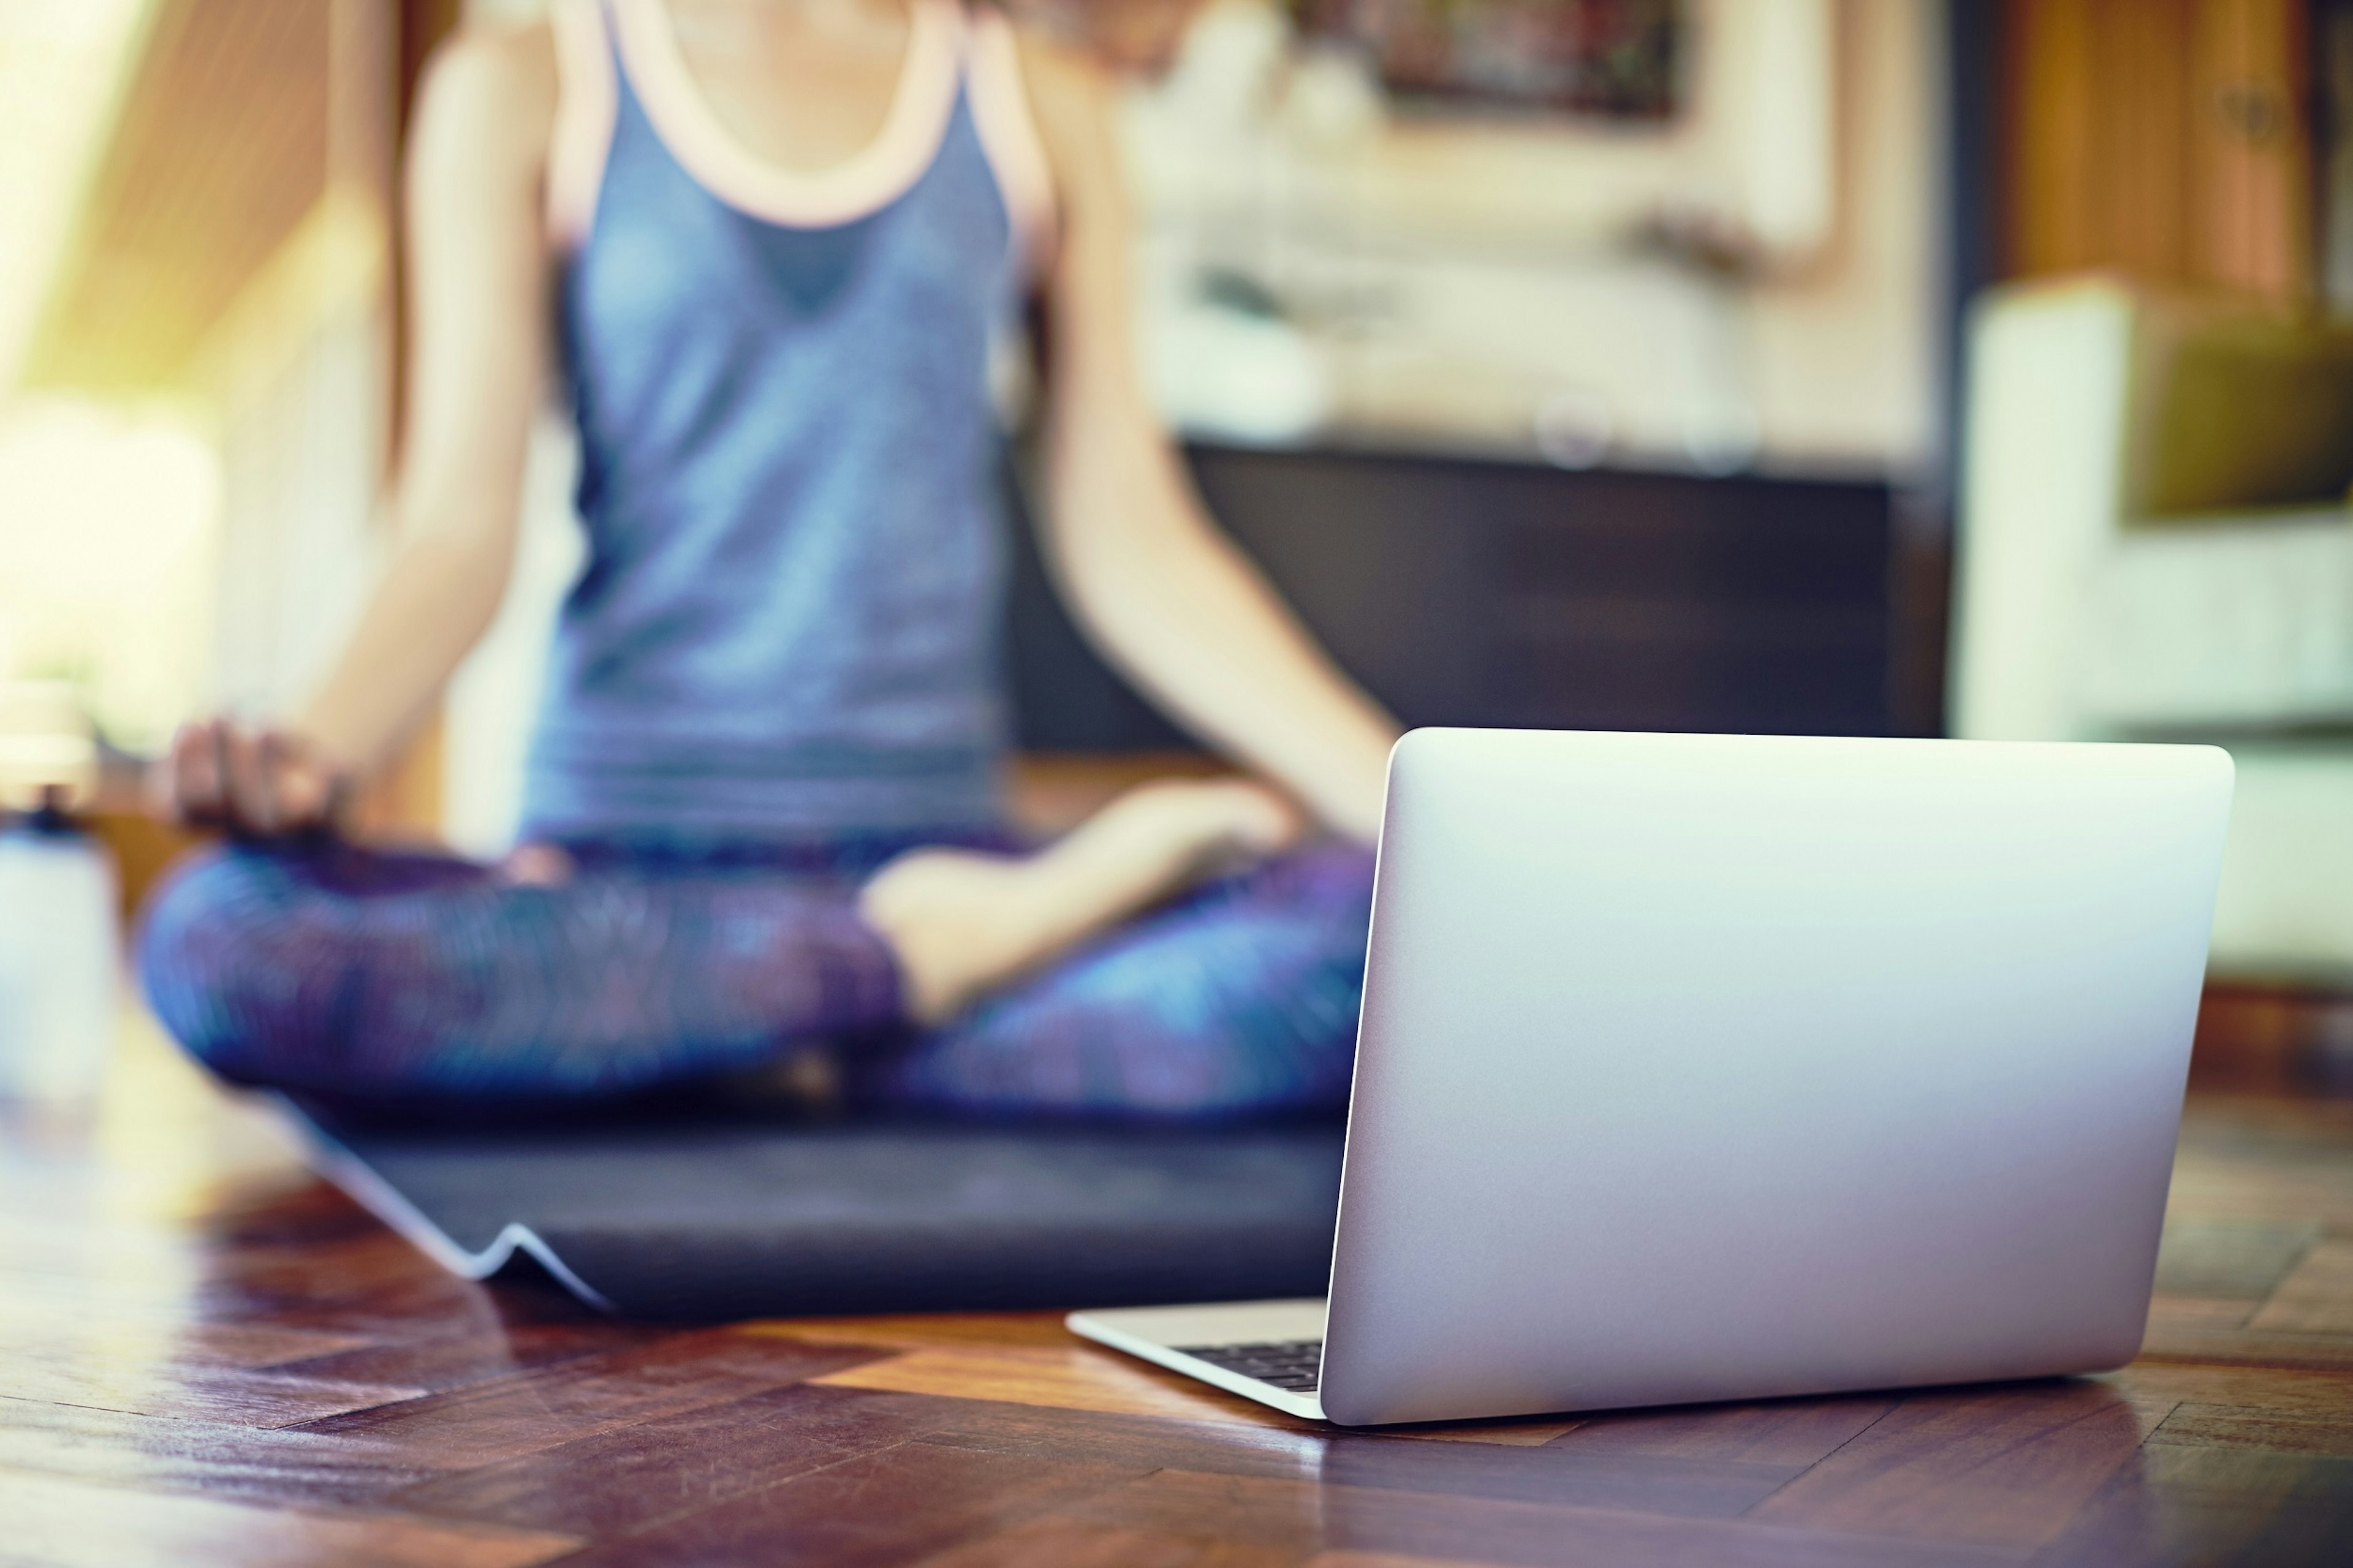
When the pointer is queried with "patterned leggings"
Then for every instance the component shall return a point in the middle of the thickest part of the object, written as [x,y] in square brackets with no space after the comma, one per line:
[339,971]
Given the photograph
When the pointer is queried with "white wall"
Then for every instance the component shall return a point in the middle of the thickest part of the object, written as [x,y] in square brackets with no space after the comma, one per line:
[1451,277]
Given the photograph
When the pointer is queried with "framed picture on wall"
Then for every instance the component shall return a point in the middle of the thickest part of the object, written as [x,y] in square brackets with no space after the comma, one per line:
[1616,59]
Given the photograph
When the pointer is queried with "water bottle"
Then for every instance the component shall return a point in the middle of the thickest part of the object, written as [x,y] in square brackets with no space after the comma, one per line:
[60,962]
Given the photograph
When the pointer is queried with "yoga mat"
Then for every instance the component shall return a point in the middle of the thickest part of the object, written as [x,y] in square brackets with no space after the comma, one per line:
[727,1219]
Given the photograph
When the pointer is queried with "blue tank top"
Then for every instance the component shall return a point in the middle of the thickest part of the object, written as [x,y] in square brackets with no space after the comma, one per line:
[787,625]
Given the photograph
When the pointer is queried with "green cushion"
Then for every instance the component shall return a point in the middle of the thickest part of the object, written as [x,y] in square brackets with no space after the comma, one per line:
[2249,413]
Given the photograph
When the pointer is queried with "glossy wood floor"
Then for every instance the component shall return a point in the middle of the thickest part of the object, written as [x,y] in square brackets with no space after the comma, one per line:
[207,1357]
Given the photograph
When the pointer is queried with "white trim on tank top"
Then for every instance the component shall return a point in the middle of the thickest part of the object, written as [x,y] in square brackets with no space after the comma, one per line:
[1009,139]
[921,104]
[585,104]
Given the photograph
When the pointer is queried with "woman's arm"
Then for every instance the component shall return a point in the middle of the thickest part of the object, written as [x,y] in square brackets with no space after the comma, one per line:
[477,273]
[1159,588]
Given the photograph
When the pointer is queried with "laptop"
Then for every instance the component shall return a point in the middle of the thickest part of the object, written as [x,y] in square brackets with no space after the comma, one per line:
[1712,1068]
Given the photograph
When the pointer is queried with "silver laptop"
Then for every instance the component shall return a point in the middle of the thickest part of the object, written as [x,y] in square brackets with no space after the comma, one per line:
[1707,1067]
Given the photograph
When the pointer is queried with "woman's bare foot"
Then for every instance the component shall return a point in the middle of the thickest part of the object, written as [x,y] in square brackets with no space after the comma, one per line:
[962,923]
[535,866]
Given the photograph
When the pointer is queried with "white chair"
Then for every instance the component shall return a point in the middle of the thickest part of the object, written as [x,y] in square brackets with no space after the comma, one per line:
[2155,544]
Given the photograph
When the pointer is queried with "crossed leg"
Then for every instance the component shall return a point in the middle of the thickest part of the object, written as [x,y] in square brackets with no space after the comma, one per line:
[342,971]
[1238,999]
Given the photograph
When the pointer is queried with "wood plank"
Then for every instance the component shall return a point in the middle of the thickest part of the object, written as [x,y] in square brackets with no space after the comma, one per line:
[2232,1426]
[162,1455]
[1775,1432]
[2230,1259]
[56,1336]
[2272,1125]
[161,1386]
[627,1478]
[66,1524]
[433,1360]
[1071,1376]
[1065,1544]
[1303,1519]
[2233,1330]
[2247,1347]
[2172,1315]
[2317,1298]
[925,1331]
[263,1198]
[508,1417]
[1332,1457]
[369,1282]
[2003,1465]
[1140,1442]
[1029,1358]
[374,1272]
[1646,1483]
[888,1507]
[2296,1392]
[2195,1504]
[2262,1186]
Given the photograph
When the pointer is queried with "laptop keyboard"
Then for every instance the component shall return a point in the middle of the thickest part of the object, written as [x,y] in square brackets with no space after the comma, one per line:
[1290,1365]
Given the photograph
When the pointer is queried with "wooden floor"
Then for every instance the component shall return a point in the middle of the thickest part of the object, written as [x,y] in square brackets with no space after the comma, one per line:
[208,1357]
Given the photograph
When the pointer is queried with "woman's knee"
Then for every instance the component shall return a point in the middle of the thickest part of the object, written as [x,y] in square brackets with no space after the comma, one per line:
[1230,1024]
[1246,1014]
[209,959]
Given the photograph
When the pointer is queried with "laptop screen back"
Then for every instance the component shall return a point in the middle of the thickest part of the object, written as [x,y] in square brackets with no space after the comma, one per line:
[1720,1066]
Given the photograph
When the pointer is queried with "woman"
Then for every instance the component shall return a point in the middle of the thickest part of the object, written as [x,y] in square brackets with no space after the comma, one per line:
[778,240]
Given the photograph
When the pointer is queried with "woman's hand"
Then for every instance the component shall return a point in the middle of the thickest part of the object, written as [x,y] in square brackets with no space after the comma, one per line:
[252,780]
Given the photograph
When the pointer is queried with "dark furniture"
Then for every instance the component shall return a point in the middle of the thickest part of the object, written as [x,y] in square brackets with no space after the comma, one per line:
[1472,592]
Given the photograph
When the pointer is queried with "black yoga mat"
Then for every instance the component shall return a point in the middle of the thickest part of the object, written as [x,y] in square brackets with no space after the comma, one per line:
[726,1219]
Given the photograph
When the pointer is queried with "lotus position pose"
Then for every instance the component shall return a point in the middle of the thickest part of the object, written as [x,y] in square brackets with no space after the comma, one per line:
[775,243]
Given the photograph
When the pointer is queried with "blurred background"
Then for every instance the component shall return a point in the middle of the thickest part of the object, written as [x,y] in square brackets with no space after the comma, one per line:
[1831,366]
